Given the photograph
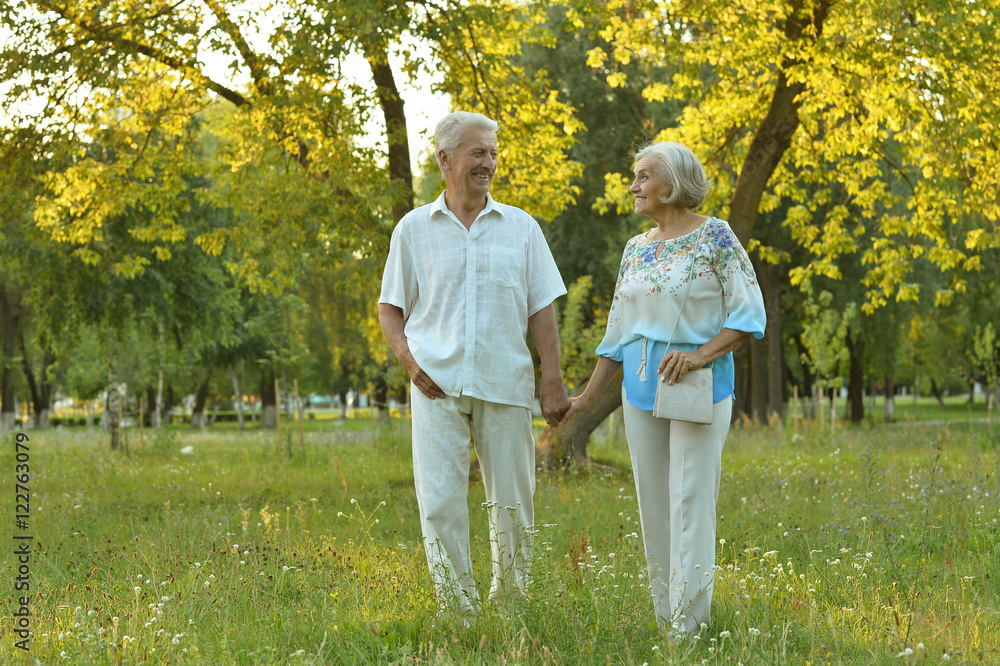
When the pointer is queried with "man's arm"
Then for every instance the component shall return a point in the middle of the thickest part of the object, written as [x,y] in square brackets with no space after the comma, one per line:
[391,319]
[545,332]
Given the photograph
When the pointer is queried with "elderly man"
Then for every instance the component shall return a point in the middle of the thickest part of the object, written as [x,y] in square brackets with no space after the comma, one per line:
[465,279]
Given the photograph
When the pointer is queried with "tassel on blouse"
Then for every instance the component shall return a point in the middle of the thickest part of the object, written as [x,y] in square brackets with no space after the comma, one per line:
[642,363]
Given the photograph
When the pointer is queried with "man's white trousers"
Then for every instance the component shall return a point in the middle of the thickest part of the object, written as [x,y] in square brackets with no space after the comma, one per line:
[505,448]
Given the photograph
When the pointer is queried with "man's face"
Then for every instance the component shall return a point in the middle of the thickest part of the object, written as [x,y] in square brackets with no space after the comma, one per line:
[469,170]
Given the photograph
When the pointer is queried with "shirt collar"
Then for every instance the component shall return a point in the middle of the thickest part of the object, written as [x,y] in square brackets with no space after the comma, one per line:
[439,206]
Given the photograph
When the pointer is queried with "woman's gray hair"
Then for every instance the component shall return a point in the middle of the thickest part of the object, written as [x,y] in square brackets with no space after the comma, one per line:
[451,130]
[683,171]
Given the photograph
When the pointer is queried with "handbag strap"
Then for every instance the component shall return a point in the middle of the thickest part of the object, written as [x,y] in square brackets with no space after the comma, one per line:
[642,364]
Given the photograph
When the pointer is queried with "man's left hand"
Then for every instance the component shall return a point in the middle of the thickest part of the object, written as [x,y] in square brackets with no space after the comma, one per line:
[555,404]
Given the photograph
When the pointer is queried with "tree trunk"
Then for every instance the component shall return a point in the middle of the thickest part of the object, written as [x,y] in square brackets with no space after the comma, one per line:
[856,379]
[889,409]
[807,381]
[8,415]
[343,404]
[156,415]
[775,350]
[113,404]
[168,405]
[239,396]
[770,141]
[151,401]
[215,410]
[741,406]
[394,114]
[379,399]
[936,392]
[568,442]
[400,171]
[758,380]
[40,387]
[29,376]
[198,413]
[268,401]
[774,135]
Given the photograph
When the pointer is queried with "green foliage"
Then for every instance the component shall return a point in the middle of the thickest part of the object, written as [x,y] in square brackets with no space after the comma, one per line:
[281,139]
[586,240]
[86,370]
[884,94]
[985,354]
[341,341]
[480,49]
[824,335]
[267,169]
[580,332]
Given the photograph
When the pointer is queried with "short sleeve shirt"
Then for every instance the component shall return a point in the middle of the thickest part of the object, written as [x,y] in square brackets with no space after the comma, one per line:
[466,296]
[712,264]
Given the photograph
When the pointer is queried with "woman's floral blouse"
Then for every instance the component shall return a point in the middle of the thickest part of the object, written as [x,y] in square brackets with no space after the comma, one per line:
[723,294]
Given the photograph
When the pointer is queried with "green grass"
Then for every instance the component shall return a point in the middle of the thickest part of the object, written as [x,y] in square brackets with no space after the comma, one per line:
[845,548]
[923,408]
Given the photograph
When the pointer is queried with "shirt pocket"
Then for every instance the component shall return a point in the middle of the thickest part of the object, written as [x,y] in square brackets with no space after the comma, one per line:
[506,267]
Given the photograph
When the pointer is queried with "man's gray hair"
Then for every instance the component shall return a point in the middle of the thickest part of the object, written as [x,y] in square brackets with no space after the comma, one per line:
[451,130]
[683,171]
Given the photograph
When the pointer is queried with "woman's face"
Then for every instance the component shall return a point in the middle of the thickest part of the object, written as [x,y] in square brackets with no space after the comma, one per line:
[649,189]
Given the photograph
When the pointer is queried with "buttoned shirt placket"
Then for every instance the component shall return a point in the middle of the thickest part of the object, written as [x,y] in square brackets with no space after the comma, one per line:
[472,236]
[471,301]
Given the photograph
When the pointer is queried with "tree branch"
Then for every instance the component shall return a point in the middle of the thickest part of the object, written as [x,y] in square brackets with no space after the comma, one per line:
[104,35]
[256,67]
[898,169]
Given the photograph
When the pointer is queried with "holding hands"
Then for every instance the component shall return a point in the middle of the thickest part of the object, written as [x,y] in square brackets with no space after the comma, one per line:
[599,380]
[555,403]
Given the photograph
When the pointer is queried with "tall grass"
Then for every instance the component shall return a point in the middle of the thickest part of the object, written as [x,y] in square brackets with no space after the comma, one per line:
[874,545]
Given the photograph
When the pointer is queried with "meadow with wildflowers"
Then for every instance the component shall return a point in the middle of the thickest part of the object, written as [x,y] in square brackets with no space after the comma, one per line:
[875,545]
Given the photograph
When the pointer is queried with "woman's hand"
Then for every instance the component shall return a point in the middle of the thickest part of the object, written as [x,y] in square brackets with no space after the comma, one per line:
[577,404]
[676,363]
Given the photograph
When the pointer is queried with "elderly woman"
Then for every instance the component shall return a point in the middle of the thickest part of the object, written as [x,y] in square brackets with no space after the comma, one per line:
[687,280]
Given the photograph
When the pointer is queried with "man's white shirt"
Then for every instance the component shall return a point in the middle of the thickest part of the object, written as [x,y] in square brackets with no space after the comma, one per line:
[466,296]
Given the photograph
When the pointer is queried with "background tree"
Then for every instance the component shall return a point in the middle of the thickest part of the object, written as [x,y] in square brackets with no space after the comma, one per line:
[851,145]
[286,151]
[858,90]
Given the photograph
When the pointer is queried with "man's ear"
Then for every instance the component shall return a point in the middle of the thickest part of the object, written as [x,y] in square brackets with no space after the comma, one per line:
[443,160]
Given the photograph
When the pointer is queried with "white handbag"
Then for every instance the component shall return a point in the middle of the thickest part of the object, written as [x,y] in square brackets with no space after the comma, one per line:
[691,398]
[687,400]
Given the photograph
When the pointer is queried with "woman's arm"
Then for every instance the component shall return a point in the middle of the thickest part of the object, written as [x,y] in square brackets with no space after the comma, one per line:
[676,363]
[599,380]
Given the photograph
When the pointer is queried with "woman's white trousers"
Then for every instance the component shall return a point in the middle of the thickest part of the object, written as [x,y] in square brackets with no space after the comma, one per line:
[677,467]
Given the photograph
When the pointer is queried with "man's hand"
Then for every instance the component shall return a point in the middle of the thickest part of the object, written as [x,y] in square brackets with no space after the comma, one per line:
[391,318]
[423,382]
[555,403]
